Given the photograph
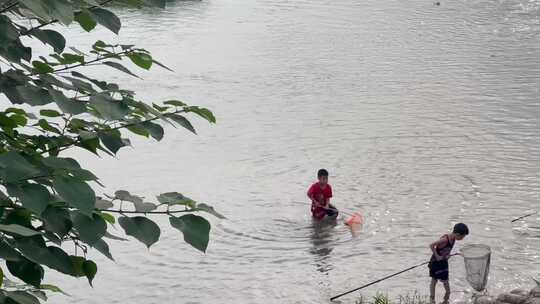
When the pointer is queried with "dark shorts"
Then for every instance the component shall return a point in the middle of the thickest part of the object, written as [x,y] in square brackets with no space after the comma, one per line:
[438,270]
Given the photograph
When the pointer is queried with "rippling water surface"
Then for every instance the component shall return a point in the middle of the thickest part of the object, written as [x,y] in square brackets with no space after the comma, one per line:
[425,115]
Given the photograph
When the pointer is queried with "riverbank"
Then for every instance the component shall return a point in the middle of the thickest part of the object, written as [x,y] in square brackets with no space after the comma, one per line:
[516,296]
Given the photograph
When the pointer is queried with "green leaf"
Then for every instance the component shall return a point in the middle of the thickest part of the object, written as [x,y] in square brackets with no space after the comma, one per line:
[8,253]
[182,121]
[102,204]
[209,209]
[61,10]
[76,193]
[141,228]
[1,277]
[106,18]
[90,270]
[112,140]
[19,119]
[176,103]
[68,58]
[21,217]
[52,237]
[54,257]
[119,67]
[44,124]
[196,230]
[77,262]
[41,295]
[8,32]
[18,230]
[14,167]
[155,130]
[50,113]
[52,288]
[175,198]
[52,38]
[108,218]
[82,86]
[157,3]
[91,144]
[26,270]
[162,65]
[143,60]
[85,20]
[139,130]
[61,163]
[108,108]
[67,105]
[124,195]
[144,207]
[41,67]
[57,220]
[203,112]
[33,95]
[38,8]
[22,297]
[90,230]
[103,247]
[35,197]
[114,237]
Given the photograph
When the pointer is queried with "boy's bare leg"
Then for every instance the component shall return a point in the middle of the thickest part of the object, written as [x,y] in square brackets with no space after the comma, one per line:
[432,291]
[447,291]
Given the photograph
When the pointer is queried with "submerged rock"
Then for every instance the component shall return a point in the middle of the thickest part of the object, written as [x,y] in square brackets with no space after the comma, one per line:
[520,292]
[535,292]
[533,301]
[485,300]
[511,298]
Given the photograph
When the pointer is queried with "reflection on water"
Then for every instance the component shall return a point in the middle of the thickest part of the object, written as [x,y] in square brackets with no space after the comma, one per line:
[424,115]
[323,233]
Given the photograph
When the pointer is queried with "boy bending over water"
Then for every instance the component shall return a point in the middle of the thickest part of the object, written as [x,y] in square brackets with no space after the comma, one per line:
[320,194]
[438,265]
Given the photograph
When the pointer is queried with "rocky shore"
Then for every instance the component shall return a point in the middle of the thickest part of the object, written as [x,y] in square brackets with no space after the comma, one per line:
[516,296]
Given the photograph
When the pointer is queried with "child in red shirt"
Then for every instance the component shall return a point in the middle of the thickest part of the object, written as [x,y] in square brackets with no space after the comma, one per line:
[320,194]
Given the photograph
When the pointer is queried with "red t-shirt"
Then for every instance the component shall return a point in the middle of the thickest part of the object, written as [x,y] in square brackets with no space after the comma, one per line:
[320,195]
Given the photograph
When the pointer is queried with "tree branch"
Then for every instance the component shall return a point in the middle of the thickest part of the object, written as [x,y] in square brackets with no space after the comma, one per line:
[86,63]
[7,8]
[74,142]
[149,212]
[56,20]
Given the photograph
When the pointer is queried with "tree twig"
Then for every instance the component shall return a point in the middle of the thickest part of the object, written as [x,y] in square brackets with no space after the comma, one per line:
[66,146]
[56,20]
[7,8]
[149,212]
[86,63]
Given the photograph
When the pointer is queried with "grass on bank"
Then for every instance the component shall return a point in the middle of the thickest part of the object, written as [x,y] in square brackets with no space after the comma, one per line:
[381,298]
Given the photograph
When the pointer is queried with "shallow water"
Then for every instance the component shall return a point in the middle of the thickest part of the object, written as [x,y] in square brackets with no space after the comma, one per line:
[424,115]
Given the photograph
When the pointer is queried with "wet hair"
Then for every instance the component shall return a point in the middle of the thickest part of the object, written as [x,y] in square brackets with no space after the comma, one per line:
[322,172]
[461,229]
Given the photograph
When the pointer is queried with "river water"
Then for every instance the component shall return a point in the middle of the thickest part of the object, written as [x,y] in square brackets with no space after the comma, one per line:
[424,114]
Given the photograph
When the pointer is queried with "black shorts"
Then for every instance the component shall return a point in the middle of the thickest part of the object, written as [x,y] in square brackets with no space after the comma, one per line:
[332,211]
[438,270]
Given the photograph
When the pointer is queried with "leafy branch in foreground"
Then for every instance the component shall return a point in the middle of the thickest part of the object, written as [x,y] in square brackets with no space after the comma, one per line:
[48,201]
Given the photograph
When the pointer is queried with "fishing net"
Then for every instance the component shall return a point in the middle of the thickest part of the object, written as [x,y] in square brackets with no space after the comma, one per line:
[477,258]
